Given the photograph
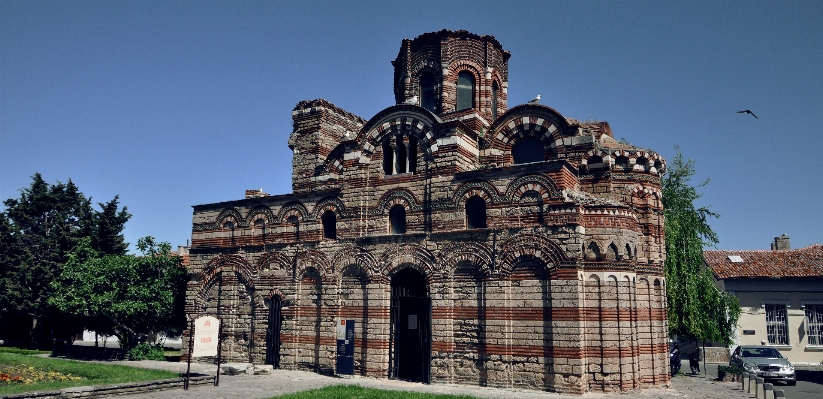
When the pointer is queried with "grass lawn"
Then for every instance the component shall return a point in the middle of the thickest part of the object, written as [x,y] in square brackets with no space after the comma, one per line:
[20,351]
[358,392]
[44,374]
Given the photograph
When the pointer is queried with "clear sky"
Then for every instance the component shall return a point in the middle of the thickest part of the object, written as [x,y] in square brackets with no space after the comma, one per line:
[176,103]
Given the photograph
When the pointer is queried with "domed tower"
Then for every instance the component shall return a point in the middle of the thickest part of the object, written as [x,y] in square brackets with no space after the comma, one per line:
[453,74]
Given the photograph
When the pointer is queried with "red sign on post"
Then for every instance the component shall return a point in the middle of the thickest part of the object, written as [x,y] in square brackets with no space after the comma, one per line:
[206,329]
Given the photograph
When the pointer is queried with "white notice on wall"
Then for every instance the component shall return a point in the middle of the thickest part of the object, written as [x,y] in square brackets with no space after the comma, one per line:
[412,322]
[341,329]
[205,336]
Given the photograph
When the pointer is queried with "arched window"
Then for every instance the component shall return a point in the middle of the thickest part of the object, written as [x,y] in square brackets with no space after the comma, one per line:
[465,91]
[295,224]
[621,162]
[595,162]
[329,220]
[494,101]
[611,252]
[399,154]
[397,220]
[427,91]
[528,149]
[476,213]
[593,251]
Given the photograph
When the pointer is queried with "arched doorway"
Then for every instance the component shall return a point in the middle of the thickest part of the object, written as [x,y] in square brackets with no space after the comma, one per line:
[273,333]
[411,327]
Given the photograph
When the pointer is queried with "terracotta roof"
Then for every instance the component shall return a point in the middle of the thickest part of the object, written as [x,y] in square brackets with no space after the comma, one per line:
[803,262]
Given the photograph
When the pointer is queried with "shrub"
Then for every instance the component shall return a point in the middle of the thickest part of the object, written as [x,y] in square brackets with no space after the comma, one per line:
[145,351]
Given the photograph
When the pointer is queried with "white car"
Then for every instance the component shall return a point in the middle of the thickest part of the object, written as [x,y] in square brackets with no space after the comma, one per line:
[765,361]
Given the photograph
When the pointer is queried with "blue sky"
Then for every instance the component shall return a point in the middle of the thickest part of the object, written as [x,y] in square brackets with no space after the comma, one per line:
[176,103]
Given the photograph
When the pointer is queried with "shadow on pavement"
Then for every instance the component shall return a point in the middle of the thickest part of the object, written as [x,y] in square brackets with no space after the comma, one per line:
[813,376]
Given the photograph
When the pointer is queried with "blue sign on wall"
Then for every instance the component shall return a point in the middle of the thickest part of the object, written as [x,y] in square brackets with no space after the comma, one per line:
[345,347]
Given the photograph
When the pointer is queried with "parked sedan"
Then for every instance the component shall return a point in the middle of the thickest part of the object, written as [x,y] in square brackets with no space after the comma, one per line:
[765,361]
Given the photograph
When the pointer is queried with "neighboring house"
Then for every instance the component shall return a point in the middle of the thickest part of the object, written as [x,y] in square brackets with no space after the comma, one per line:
[781,296]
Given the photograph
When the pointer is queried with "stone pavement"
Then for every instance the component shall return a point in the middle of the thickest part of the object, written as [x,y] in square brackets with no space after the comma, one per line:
[288,381]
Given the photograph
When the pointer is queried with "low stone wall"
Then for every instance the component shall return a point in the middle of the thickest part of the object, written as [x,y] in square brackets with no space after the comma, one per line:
[112,390]
[715,354]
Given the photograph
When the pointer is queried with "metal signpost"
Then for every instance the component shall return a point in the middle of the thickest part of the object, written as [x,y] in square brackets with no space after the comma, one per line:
[345,347]
[204,340]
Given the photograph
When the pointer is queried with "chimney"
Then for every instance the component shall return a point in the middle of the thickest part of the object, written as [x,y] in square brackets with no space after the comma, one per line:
[781,243]
[256,193]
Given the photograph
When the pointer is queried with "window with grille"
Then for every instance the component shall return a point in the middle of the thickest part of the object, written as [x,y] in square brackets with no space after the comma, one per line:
[814,321]
[776,325]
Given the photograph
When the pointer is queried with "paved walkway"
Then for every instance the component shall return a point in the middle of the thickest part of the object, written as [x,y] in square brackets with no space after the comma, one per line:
[288,381]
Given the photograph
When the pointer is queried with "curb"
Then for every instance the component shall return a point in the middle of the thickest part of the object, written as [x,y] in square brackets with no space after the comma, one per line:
[116,389]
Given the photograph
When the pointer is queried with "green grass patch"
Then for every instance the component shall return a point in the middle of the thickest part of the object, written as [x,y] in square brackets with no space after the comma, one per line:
[358,392]
[172,355]
[45,374]
[21,351]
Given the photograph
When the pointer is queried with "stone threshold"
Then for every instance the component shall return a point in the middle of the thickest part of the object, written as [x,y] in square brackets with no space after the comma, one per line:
[113,390]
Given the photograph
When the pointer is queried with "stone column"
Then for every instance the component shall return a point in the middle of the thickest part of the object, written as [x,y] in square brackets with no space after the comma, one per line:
[407,145]
[394,151]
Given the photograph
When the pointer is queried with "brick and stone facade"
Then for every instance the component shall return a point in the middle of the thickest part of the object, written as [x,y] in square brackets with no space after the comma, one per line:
[538,239]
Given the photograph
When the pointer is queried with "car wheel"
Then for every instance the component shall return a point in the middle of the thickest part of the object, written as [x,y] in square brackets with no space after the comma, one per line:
[791,383]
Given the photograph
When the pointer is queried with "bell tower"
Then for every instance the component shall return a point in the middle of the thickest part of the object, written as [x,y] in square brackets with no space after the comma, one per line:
[453,74]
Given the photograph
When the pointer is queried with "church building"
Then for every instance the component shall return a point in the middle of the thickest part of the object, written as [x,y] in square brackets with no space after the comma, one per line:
[471,242]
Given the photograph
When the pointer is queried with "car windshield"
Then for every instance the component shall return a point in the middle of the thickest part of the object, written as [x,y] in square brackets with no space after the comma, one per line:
[761,352]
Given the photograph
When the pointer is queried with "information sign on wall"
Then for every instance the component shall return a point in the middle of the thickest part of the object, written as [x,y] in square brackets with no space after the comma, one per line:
[206,329]
[345,347]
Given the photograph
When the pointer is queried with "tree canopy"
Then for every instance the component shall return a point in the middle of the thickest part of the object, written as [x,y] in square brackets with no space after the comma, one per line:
[696,308]
[132,296]
[37,233]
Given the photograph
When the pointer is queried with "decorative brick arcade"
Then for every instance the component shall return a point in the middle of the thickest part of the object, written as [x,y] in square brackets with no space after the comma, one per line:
[472,243]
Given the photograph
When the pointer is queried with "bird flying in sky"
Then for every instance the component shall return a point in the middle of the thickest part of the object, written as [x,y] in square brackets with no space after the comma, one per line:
[535,100]
[746,111]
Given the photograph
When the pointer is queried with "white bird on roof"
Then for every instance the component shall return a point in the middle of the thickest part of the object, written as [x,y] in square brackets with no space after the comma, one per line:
[412,101]
[535,100]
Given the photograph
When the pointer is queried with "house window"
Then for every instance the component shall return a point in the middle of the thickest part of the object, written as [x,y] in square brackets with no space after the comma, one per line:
[528,149]
[397,219]
[776,324]
[465,91]
[329,220]
[814,321]
[427,92]
[476,213]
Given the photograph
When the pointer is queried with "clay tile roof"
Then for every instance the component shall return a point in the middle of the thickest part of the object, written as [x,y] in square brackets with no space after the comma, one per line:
[803,262]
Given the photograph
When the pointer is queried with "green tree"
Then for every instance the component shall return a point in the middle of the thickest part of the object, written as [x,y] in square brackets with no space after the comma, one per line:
[109,224]
[696,308]
[137,295]
[37,232]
